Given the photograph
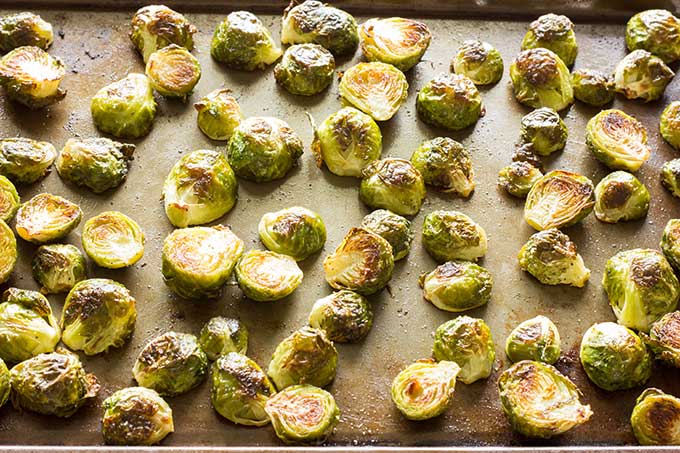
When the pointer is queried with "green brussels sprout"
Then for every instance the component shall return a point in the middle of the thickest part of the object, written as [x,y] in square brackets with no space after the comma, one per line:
[539,401]
[125,108]
[8,247]
[656,31]
[25,161]
[620,196]
[394,228]
[551,257]
[31,77]
[5,386]
[545,130]
[241,41]
[305,69]
[641,75]
[525,152]
[614,357]
[157,26]
[240,390]
[221,335]
[24,29]
[136,416]
[52,384]
[363,262]
[450,101]
[267,276]
[451,235]
[479,61]
[171,364]
[303,414]
[664,339]
[670,177]
[395,40]
[534,339]
[113,240]
[466,341]
[446,165]
[377,89]
[319,23]
[297,232]
[457,286]
[198,261]
[592,87]
[394,184]
[541,79]
[9,199]
[670,243]
[263,149]
[46,218]
[617,140]
[641,287]
[425,389]
[518,178]
[173,72]
[347,142]
[200,188]
[58,267]
[655,418]
[669,124]
[345,316]
[553,32]
[218,114]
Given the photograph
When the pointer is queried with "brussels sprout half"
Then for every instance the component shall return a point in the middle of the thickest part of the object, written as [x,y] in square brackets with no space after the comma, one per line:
[9,199]
[664,339]
[24,29]
[553,32]
[5,386]
[394,228]
[173,72]
[620,196]
[267,276]
[641,75]
[24,161]
[425,389]
[58,267]
[534,339]
[221,335]
[518,178]
[31,77]
[457,286]
[218,114]
[670,243]
[545,130]
[305,69]
[377,89]
[297,232]
[525,153]
[113,240]
[541,79]
[669,124]
[241,41]
[393,184]
[551,257]
[157,26]
[451,235]
[398,41]
[617,140]
[8,251]
[655,418]
[656,31]
[592,87]
[446,165]
[450,101]
[670,177]
[345,316]
[479,61]
[46,218]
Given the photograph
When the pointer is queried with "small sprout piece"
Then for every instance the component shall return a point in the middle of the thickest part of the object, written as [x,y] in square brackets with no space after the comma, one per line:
[656,31]
[297,232]
[8,249]
[136,416]
[466,341]
[58,267]
[24,29]
[592,87]
[552,259]
[113,240]
[267,276]
[534,339]
[173,71]
[171,364]
[345,316]
[641,75]
[670,177]
[446,165]
[450,101]
[545,130]
[221,335]
[518,178]
[541,79]
[451,235]
[31,77]
[539,401]
[307,356]
[395,40]
[305,69]
[553,32]
[5,386]
[319,23]
[241,41]
[24,161]
[363,263]
[200,188]
[620,196]
[525,153]
[670,243]
[457,286]
[664,339]
[218,114]
[394,228]
[655,418]
[240,390]
[479,61]
[46,218]
[157,26]
[198,261]
[394,184]
[9,199]
[424,389]
[669,124]
[377,89]
[617,140]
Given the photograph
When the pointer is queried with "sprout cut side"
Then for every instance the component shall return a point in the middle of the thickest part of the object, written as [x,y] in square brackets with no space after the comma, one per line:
[24,29]
[267,276]
[157,26]
[398,41]
[655,418]
[617,140]
[173,72]
[377,89]
[25,161]
[113,240]
[46,218]
[32,77]
[425,389]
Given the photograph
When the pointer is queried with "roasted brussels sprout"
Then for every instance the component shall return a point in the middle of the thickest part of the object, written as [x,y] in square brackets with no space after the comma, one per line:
[363,263]
[241,41]
[305,69]
[670,177]
[592,87]
[113,240]
[534,339]
[457,286]
[267,276]
[221,335]
[450,101]
[200,188]
[297,232]
[24,161]
[479,61]
[398,41]
[541,79]
[171,364]
[518,178]
[240,390]
[31,77]
[24,29]
[655,417]
[641,287]
[307,356]
[198,261]
[394,184]
[5,386]
[553,32]
[345,316]
[617,140]
[641,75]
[525,153]
[58,267]
[377,89]
[8,247]
[157,26]
[539,401]
[451,235]
[173,72]
[218,114]
[620,196]
[136,416]
[552,259]
[446,165]
[664,339]
[656,31]
[670,243]
[424,389]
[125,108]
[9,199]
[394,228]
[669,124]
[466,341]
[46,218]
[545,130]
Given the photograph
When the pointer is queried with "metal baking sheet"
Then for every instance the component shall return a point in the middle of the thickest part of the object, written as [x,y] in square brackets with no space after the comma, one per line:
[97,51]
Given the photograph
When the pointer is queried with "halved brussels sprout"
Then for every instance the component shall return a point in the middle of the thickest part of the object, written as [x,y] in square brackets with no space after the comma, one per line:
[267,276]
[656,31]
[446,165]
[545,130]
[518,178]
[395,40]
[670,177]
[377,89]
[218,114]
[641,75]
[641,287]
[58,267]
[173,72]
[198,261]
[363,262]
[617,140]
[451,235]
[424,389]
[113,240]
[5,386]
[305,69]
[221,335]
[525,153]
[200,188]
[670,243]
[553,32]
[241,41]
[539,401]
[297,232]
[614,357]
[450,101]
[9,199]
[479,61]
[46,218]
[669,124]
[303,414]
[541,79]
[551,257]
[136,416]
[655,418]
[592,87]
[466,341]
[25,161]
[8,251]
[345,316]
[240,390]
[31,77]
[307,356]
[664,339]
[157,26]
[394,228]
[171,364]
[394,184]
[457,286]
[24,29]
[620,196]
[534,339]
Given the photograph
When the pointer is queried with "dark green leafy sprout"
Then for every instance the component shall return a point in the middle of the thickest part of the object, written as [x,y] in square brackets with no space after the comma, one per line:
[8,247]
[534,339]
[545,130]
[218,114]
[553,32]
[541,79]
[457,286]
[655,418]
[307,356]
[241,41]
[641,75]
[670,243]
[394,184]
[664,339]
[297,232]
[113,240]
[620,196]
[221,335]
[446,165]
[363,262]
[479,61]
[669,124]
[240,390]
[394,228]
[592,87]
[46,218]
[451,235]
[377,89]
[173,72]
[58,267]
[31,77]
[157,26]
[345,316]
[305,69]
[198,261]
[617,140]
[24,161]
[539,401]
[171,364]
[656,31]
[425,389]
[136,416]
[398,41]
[551,257]
[200,188]
[24,29]
[263,149]
[525,153]
[670,177]
[450,101]
[518,178]
[9,199]
[267,276]
[5,386]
